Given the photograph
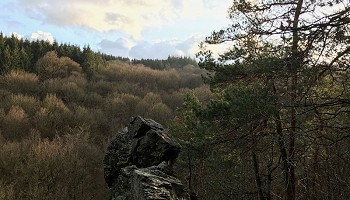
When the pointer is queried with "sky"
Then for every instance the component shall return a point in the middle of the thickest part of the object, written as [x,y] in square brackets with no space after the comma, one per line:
[129,28]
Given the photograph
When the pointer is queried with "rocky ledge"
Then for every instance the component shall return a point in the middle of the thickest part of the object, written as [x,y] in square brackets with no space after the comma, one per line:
[139,164]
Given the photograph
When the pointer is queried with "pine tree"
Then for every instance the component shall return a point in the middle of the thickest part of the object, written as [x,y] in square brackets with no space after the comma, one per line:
[7,59]
[285,47]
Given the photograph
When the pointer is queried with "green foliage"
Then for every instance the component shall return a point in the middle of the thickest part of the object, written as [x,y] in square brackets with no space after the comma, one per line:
[282,95]
[170,62]
[90,61]
[195,136]
[241,104]
[22,54]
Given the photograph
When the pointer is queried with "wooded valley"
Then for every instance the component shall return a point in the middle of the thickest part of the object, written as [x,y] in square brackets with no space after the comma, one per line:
[267,119]
[57,115]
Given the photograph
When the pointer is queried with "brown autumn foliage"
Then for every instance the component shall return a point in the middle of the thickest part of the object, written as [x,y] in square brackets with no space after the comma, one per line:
[55,124]
[52,66]
[67,167]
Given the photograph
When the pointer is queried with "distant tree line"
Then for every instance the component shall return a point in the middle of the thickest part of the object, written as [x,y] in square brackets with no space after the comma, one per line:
[170,62]
[22,54]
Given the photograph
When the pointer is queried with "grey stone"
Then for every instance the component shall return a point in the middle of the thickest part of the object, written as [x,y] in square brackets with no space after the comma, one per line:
[153,148]
[138,163]
[152,183]
[139,126]
[117,157]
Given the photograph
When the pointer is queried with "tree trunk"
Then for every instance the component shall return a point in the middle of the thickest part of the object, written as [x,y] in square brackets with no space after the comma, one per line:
[189,170]
[283,152]
[256,167]
[269,181]
[293,94]
[282,146]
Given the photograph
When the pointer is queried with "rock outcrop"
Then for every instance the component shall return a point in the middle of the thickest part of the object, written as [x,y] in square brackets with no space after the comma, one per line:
[138,164]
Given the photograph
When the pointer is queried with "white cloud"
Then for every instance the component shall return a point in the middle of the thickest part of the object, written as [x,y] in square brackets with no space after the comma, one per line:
[18,36]
[120,43]
[40,35]
[177,3]
[130,17]
[119,47]
[105,24]
[158,49]
[210,3]
[163,48]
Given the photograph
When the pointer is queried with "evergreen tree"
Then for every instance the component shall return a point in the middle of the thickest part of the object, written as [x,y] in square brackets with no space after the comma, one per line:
[284,48]
[7,59]
[24,63]
[87,62]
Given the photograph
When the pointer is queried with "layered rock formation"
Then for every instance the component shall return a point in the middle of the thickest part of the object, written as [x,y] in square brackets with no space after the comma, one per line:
[138,164]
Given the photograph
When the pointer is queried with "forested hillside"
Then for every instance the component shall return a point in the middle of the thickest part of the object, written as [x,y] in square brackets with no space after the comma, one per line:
[60,107]
[270,121]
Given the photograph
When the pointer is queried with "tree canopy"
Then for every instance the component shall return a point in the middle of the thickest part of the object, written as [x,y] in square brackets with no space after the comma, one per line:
[282,89]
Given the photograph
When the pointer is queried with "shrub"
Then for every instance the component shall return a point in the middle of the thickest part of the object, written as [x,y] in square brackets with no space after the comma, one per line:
[101,87]
[176,98]
[152,106]
[125,87]
[15,123]
[51,66]
[68,91]
[20,82]
[53,118]
[28,103]
[120,107]
[92,100]
[68,167]
[204,94]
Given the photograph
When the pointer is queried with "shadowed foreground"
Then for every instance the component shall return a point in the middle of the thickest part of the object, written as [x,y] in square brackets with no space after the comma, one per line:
[138,163]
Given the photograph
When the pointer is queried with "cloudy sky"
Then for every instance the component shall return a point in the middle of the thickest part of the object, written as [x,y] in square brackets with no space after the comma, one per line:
[128,28]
